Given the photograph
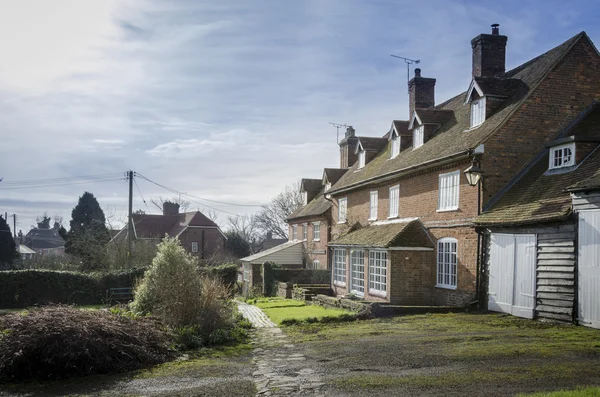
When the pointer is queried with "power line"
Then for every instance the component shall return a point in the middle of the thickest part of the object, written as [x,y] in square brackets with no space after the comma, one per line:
[141,195]
[2,187]
[60,180]
[196,197]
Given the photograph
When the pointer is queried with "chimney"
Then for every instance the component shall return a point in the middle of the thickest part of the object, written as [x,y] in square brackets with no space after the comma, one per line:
[489,53]
[269,235]
[348,148]
[421,92]
[170,208]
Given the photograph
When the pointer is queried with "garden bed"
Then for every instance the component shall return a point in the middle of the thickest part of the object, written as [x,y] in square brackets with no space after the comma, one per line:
[284,310]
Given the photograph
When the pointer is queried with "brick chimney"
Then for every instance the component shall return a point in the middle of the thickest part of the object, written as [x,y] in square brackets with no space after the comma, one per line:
[348,148]
[421,92]
[170,208]
[489,53]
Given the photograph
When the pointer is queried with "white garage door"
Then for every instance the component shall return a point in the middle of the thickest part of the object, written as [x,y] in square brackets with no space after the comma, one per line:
[589,268]
[512,274]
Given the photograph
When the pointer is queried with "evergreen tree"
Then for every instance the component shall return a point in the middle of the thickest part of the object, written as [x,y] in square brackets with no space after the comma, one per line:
[8,248]
[88,234]
[236,244]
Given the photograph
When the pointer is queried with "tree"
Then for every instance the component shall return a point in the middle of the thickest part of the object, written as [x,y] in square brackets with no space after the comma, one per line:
[246,229]
[43,221]
[236,244]
[88,234]
[8,248]
[273,216]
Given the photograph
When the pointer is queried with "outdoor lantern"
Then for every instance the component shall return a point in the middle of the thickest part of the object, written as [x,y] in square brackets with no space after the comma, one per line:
[473,173]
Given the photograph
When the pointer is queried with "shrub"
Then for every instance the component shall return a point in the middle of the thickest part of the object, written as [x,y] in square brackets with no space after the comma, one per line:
[227,273]
[302,276]
[59,341]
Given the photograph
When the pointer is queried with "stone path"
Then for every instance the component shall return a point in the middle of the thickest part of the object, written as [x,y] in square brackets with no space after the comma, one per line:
[282,370]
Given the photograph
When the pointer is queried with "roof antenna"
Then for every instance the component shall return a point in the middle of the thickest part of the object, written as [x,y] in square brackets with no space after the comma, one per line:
[408,63]
[337,127]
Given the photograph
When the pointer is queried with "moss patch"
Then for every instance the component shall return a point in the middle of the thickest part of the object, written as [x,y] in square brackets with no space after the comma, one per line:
[580,392]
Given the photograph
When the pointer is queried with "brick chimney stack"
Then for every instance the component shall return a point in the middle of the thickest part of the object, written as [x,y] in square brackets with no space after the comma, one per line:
[489,53]
[170,208]
[421,92]
[348,148]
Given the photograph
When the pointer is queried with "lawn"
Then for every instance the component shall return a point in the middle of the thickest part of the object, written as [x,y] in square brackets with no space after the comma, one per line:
[453,355]
[581,392]
[279,309]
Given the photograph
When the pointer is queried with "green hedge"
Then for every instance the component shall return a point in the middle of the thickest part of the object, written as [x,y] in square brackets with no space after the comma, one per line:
[302,276]
[228,273]
[24,288]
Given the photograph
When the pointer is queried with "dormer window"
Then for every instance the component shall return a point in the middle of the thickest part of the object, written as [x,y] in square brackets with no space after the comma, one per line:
[305,197]
[418,136]
[328,186]
[562,156]
[395,146]
[477,112]
[361,159]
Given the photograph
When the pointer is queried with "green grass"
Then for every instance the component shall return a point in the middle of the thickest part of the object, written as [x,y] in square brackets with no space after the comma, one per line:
[580,392]
[279,310]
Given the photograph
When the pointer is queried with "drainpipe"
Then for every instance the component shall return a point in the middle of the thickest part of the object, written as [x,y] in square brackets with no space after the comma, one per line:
[329,256]
[479,247]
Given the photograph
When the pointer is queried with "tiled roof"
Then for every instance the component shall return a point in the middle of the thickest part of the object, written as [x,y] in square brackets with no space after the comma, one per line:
[156,226]
[434,116]
[454,138]
[401,127]
[270,251]
[541,196]
[317,206]
[44,238]
[311,185]
[372,144]
[498,87]
[334,174]
[386,235]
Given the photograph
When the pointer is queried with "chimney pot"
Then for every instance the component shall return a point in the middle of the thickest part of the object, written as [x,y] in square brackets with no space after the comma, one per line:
[170,208]
[496,29]
[417,72]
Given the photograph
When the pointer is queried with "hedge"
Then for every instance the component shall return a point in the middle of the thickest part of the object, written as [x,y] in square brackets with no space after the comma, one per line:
[228,273]
[273,274]
[24,288]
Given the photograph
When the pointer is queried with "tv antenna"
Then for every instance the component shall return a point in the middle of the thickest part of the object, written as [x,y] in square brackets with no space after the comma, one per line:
[408,63]
[337,127]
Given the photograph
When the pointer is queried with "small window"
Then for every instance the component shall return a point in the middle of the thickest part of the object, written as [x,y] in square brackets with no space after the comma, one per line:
[361,159]
[446,262]
[304,231]
[295,232]
[357,269]
[394,201]
[477,112]
[418,136]
[317,231]
[194,246]
[339,266]
[395,146]
[378,272]
[315,264]
[562,156]
[448,191]
[342,208]
[373,205]
[305,197]
[246,275]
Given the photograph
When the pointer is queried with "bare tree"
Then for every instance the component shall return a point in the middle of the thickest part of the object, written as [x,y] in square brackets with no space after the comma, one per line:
[245,227]
[273,216]
[184,205]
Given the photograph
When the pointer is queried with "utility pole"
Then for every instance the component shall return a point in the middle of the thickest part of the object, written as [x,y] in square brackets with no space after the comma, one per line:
[14,225]
[130,221]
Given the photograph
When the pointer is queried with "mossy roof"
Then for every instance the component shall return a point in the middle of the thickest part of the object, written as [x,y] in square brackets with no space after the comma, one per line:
[316,207]
[386,235]
[454,137]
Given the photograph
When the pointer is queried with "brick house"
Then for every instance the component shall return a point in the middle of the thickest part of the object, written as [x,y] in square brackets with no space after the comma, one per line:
[403,214]
[542,233]
[198,235]
[311,223]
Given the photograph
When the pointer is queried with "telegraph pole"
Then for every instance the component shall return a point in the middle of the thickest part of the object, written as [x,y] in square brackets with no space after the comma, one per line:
[130,220]
[14,225]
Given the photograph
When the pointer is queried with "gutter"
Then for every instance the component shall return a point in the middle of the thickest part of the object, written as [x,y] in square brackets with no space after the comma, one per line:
[405,171]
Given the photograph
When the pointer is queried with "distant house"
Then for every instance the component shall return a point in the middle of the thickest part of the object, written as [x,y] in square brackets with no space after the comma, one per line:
[44,240]
[25,252]
[198,234]
[271,242]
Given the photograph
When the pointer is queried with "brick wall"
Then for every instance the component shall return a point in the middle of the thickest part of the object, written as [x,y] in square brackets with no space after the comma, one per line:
[566,92]
[210,241]
[412,277]
[314,249]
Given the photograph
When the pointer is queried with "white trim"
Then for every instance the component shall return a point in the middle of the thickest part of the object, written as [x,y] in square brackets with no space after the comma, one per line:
[479,105]
[362,159]
[472,86]
[561,148]
[394,208]
[393,131]
[410,249]
[452,267]
[373,207]
[359,147]
[395,220]
[418,130]
[345,206]
[448,193]
[412,120]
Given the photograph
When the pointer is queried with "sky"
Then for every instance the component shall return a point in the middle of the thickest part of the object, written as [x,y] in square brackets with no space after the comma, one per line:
[225,100]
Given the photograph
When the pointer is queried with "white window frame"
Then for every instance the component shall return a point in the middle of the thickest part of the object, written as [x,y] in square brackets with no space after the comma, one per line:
[378,272]
[394,201]
[361,159]
[357,272]
[339,267]
[305,231]
[294,232]
[315,264]
[305,197]
[342,209]
[316,231]
[477,112]
[418,136]
[328,186]
[448,191]
[373,198]
[558,154]
[395,146]
[194,246]
[447,263]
